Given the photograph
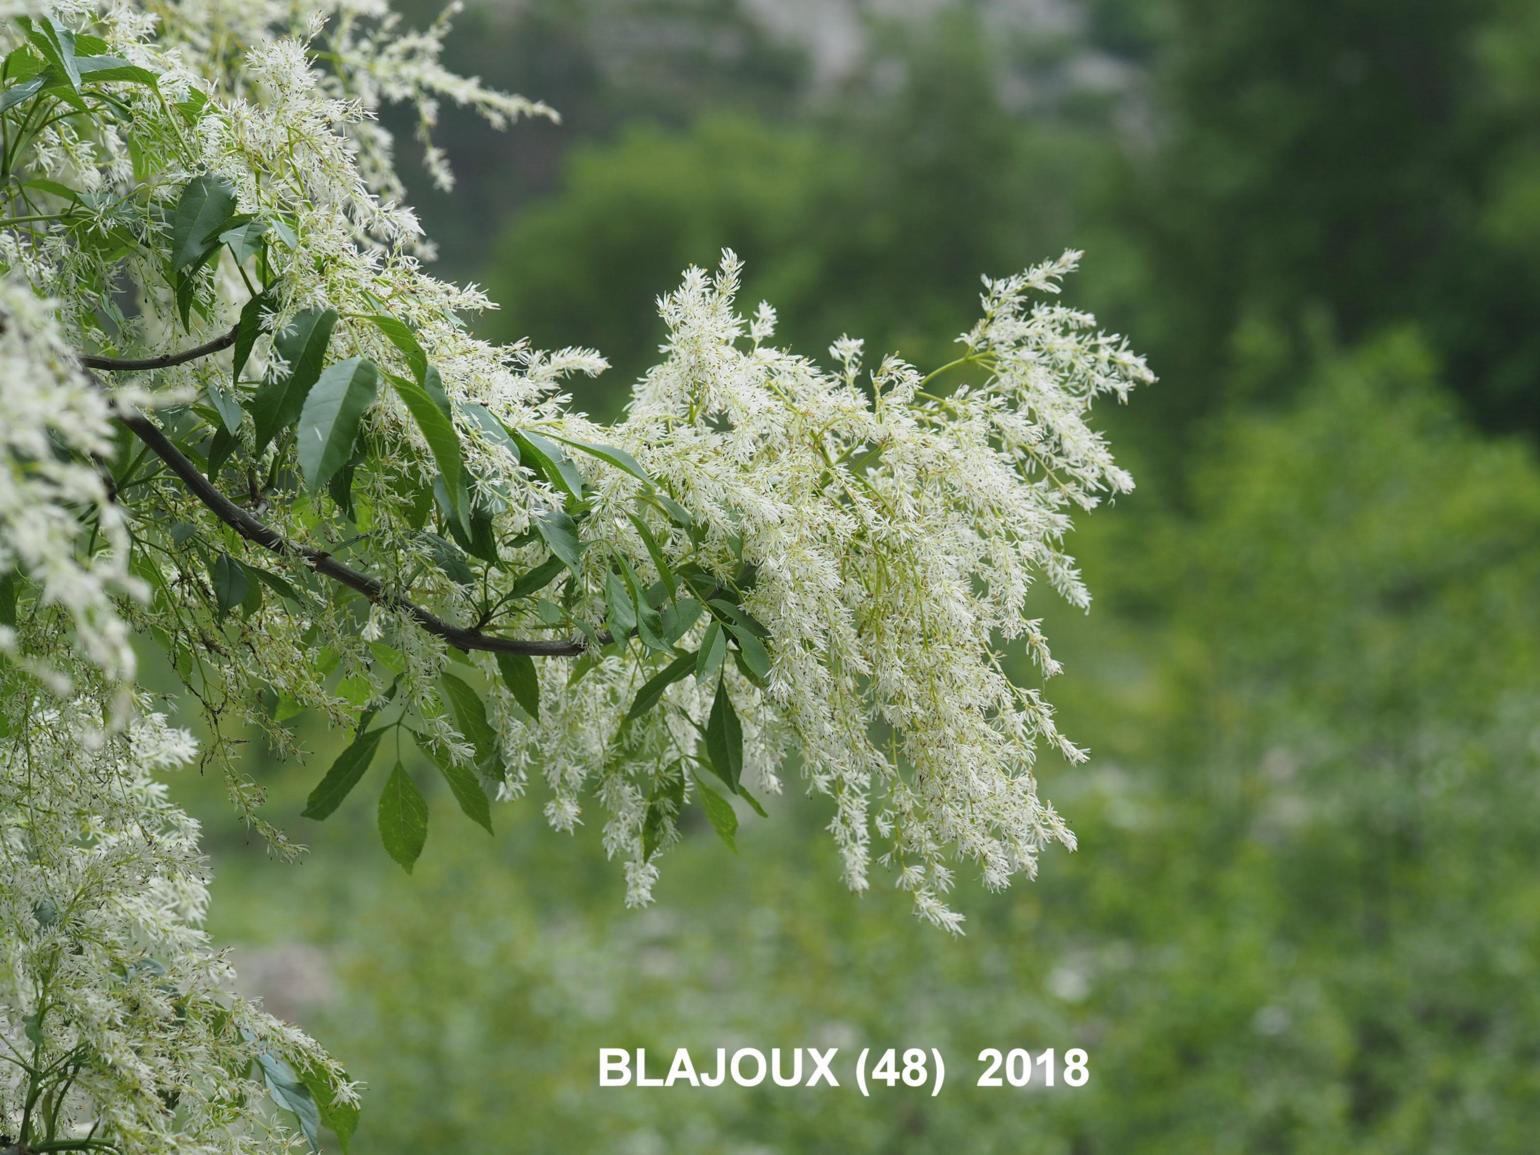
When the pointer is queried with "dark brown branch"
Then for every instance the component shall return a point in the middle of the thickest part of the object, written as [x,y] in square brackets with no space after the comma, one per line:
[258,533]
[165,360]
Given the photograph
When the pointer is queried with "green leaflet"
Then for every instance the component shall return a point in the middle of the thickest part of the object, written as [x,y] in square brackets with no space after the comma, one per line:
[493,428]
[17,93]
[752,801]
[651,693]
[448,558]
[621,617]
[302,346]
[475,533]
[247,329]
[720,813]
[344,774]
[105,69]
[245,240]
[755,658]
[231,586]
[329,420]
[679,619]
[56,43]
[289,1091]
[655,551]
[552,463]
[228,408]
[403,818]
[713,648]
[561,535]
[463,784]
[648,622]
[608,454]
[400,334]
[341,1118]
[433,386]
[724,738]
[187,287]
[443,442]
[521,678]
[537,579]
[277,584]
[471,719]
[204,209]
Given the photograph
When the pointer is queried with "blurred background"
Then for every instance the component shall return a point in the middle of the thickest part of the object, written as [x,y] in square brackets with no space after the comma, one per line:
[1305,914]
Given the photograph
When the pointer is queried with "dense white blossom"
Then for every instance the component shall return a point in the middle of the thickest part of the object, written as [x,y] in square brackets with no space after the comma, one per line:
[115,1013]
[54,424]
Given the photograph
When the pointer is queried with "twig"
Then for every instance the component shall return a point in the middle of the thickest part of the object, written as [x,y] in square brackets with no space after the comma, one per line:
[259,533]
[165,360]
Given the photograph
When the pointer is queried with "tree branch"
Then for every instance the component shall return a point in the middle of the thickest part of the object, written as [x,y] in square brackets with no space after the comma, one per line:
[258,533]
[165,360]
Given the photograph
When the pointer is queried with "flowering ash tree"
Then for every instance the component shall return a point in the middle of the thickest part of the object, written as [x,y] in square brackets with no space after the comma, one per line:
[239,422]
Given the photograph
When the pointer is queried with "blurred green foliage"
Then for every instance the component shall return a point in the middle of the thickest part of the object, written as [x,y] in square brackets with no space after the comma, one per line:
[1305,915]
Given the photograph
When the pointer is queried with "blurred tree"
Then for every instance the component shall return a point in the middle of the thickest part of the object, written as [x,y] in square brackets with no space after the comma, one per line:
[1334,796]
[599,63]
[1360,163]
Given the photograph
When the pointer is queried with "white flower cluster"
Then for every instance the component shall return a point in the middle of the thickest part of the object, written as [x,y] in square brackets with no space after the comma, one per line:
[58,523]
[116,1025]
[895,532]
